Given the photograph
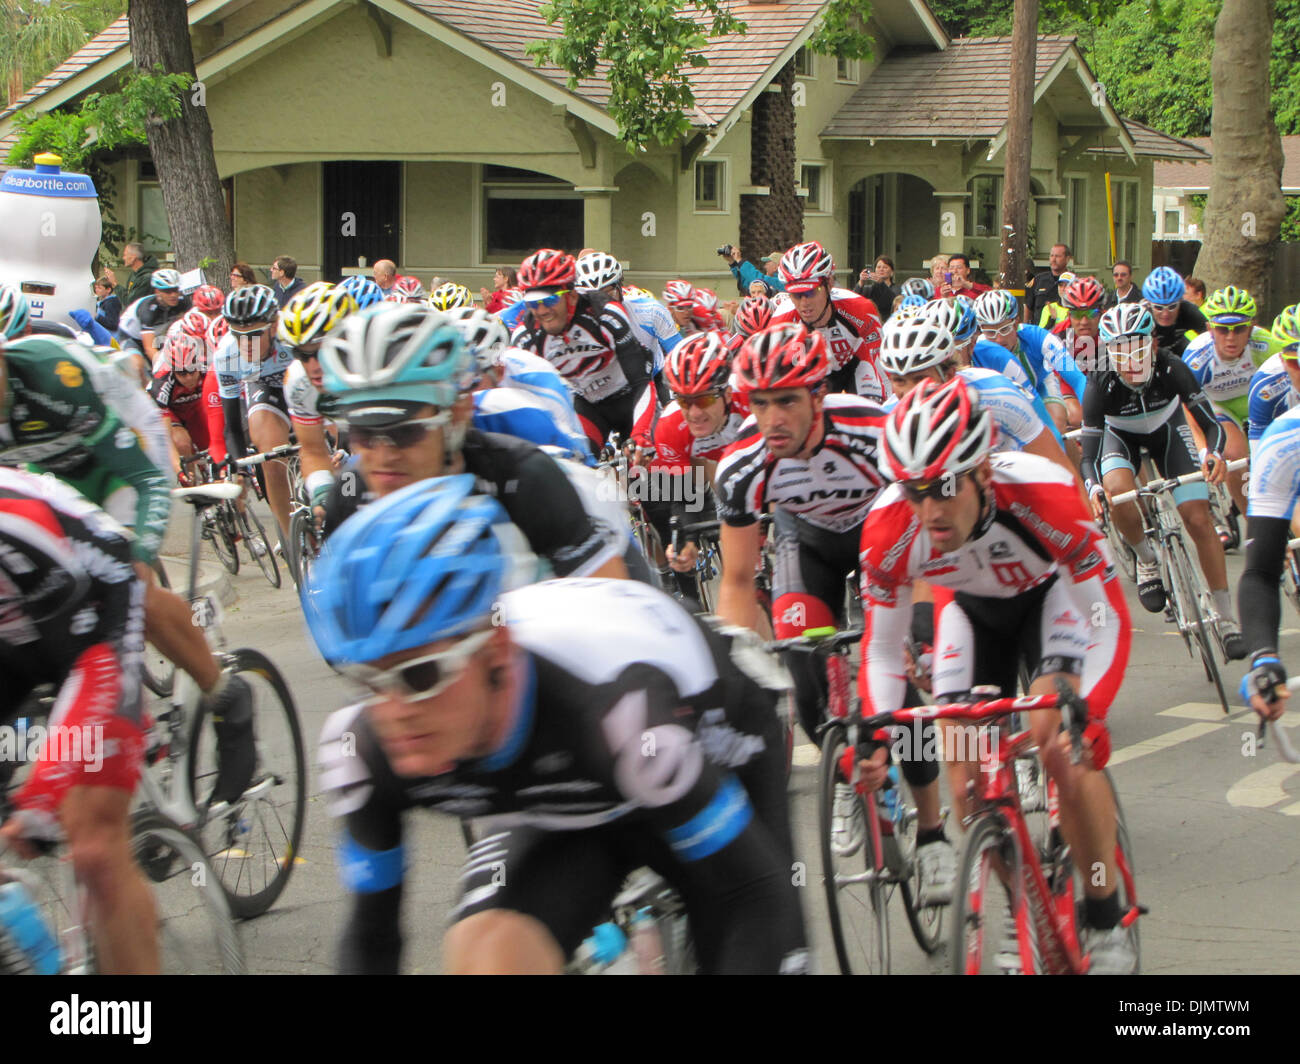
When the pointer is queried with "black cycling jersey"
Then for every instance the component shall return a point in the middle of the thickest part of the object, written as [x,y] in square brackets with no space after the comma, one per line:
[573,801]
[155,316]
[1174,336]
[536,495]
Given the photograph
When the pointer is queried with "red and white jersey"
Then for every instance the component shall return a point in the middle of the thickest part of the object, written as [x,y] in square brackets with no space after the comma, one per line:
[677,448]
[833,489]
[1036,529]
[852,341]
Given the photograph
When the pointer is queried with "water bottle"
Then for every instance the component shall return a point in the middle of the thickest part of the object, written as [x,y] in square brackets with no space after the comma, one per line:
[26,943]
[647,945]
[889,796]
[605,949]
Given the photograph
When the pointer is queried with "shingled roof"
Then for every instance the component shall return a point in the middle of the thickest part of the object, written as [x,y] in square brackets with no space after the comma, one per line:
[1195,176]
[1148,141]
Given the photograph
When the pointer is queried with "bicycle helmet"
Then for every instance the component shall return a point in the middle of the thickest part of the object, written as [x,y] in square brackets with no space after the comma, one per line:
[1163,287]
[1065,279]
[679,294]
[782,356]
[15,312]
[193,323]
[208,298]
[699,364]
[753,315]
[805,266]
[1126,319]
[486,338]
[956,315]
[165,280]
[1286,329]
[409,288]
[425,563]
[919,286]
[1229,306]
[914,345]
[397,353]
[217,328]
[597,270]
[511,296]
[363,290]
[313,313]
[450,296]
[704,310]
[251,304]
[937,430]
[547,268]
[912,299]
[907,311]
[187,353]
[1083,293]
[996,306]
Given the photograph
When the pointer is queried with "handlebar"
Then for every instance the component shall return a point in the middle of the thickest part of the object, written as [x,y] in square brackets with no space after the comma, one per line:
[818,640]
[1155,487]
[283,451]
[192,459]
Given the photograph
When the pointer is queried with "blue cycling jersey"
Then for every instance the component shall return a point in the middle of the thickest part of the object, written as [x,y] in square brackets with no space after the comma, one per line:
[1275,469]
[513,412]
[530,373]
[1271,396]
[1013,408]
[995,357]
[511,315]
[653,324]
[1043,354]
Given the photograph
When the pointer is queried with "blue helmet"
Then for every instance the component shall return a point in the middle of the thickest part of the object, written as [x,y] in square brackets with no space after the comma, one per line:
[363,290]
[913,300]
[1163,287]
[968,325]
[425,563]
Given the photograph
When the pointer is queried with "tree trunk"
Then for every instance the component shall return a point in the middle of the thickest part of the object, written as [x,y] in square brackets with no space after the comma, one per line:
[1014,260]
[1243,214]
[182,148]
[773,222]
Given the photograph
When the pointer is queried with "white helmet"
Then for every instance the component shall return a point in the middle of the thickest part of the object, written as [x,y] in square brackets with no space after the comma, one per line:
[996,306]
[597,270]
[485,335]
[913,345]
[942,313]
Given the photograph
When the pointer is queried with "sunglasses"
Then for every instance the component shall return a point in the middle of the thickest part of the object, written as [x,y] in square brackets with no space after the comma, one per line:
[1244,326]
[423,677]
[945,487]
[998,330]
[1164,308]
[303,355]
[704,401]
[545,301]
[1084,312]
[402,436]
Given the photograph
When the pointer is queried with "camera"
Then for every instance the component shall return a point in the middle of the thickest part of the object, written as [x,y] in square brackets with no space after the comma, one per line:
[725,251]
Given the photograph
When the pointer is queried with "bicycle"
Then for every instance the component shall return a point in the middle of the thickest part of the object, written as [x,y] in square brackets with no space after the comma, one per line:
[254,531]
[253,841]
[157,670]
[221,521]
[708,558]
[853,823]
[1291,574]
[648,933]
[613,461]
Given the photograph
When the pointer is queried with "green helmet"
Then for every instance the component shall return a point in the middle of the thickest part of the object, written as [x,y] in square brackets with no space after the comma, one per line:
[1286,327]
[1230,306]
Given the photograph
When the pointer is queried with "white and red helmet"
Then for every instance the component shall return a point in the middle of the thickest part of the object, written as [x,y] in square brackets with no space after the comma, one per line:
[937,430]
[782,356]
[187,353]
[914,344]
[679,294]
[699,364]
[805,266]
[193,323]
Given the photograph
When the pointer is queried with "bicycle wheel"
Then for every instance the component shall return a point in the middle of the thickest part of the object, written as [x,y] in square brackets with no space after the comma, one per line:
[302,547]
[159,674]
[255,533]
[1184,588]
[253,843]
[984,939]
[220,526]
[900,857]
[856,900]
[1291,579]
[1121,552]
[196,933]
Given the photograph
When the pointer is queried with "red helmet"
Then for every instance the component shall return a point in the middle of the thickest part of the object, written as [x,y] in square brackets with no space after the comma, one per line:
[1083,293]
[193,323]
[547,268]
[936,430]
[410,288]
[805,266]
[511,296]
[208,298]
[679,294]
[217,328]
[782,356]
[699,364]
[704,310]
[754,315]
[187,353]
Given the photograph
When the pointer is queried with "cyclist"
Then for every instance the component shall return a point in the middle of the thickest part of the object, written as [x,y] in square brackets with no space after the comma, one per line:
[400,376]
[1083,300]
[451,296]
[1178,322]
[158,311]
[1055,315]
[1010,537]
[1275,387]
[364,291]
[705,315]
[679,298]
[1223,360]
[178,391]
[406,290]
[752,316]
[1138,406]
[849,323]
[599,277]
[512,705]
[73,615]
[596,351]
[251,365]
[209,299]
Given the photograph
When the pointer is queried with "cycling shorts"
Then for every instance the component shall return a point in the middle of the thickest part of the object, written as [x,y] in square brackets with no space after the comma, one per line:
[1171,448]
[267,393]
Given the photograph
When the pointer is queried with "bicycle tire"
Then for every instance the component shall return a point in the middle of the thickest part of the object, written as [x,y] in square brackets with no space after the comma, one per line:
[183,948]
[222,529]
[981,894]
[1122,554]
[1189,599]
[864,951]
[900,854]
[255,532]
[1291,580]
[157,671]
[251,847]
[301,547]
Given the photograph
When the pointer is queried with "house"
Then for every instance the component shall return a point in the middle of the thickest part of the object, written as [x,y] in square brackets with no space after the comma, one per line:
[1175,216]
[351,130]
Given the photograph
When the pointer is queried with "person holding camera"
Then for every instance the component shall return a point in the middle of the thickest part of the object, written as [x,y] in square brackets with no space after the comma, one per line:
[877,284]
[746,273]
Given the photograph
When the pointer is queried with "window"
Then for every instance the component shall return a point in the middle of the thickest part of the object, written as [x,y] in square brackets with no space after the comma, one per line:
[1173,222]
[846,70]
[803,62]
[710,186]
[814,179]
[524,211]
[154,232]
[1076,225]
[1125,196]
[982,220]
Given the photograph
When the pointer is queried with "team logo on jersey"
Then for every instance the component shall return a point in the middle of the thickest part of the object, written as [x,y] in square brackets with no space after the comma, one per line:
[69,373]
[999,549]
[1011,574]
[33,426]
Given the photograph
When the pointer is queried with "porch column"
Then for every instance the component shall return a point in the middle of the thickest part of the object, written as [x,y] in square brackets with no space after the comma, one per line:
[952,220]
[1049,222]
[597,215]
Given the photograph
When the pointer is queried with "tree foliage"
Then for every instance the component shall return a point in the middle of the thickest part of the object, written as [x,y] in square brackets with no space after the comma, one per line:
[37,35]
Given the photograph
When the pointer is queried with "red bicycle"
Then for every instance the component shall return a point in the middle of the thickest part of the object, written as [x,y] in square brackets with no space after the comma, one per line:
[1020,883]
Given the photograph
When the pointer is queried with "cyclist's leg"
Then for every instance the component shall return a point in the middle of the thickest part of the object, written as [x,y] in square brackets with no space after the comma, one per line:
[1235,447]
[268,427]
[1193,502]
[1117,464]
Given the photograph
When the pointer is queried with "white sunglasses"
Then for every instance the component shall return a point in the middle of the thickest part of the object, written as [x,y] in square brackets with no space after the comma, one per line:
[423,677]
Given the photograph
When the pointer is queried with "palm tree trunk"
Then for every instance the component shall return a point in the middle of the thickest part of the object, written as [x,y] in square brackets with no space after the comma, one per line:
[775,221]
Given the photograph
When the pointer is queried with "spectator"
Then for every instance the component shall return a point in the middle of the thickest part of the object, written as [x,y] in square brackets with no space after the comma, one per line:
[960,283]
[285,280]
[759,287]
[142,267]
[241,274]
[494,301]
[1044,287]
[877,284]
[1125,290]
[108,308]
[1195,291]
[384,274]
[746,273]
[938,267]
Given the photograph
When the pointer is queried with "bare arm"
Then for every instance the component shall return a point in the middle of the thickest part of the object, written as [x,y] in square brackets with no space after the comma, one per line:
[740,556]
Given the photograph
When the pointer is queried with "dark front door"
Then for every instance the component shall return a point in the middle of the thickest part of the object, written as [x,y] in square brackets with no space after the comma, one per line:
[362,214]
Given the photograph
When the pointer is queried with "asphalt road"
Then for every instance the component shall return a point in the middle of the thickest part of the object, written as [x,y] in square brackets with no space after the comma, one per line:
[1215,826]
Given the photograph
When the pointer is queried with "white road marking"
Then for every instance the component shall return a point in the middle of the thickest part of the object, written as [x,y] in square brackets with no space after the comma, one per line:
[1162,742]
[1206,711]
[1263,788]
[805,754]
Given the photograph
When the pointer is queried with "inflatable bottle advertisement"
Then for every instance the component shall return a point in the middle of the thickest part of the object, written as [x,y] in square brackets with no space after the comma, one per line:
[49,233]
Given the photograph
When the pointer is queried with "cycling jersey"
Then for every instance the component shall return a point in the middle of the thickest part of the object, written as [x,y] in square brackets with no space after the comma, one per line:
[1013,411]
[1189,324]
[1047,363]
[512,412]
[677,448]
[1034,530]
[653,324]
[1274,489]
[129,327]
[831,490]
[852,341]
[1228,383]
[988,355]
[1271,396]
[69,414]
[532,374]
[1275,469]
[215,415]
[181,406]
[155,316]
[301,396]
[233,370]
[569,801]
